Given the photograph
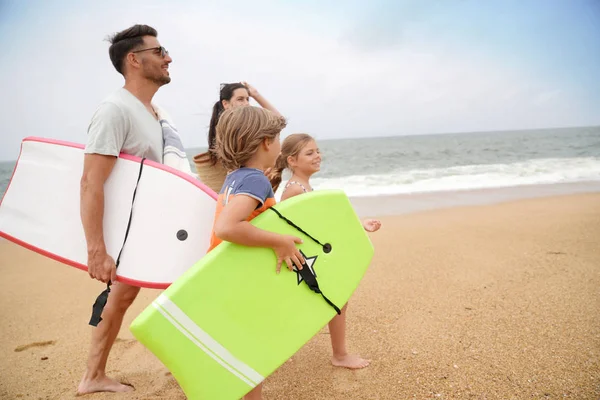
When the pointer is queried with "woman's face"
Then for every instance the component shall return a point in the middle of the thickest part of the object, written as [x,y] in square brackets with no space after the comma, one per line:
[240,98]
[308,159]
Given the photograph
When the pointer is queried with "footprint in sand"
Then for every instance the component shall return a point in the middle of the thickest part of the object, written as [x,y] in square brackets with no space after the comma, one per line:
[35,344]
[128,343]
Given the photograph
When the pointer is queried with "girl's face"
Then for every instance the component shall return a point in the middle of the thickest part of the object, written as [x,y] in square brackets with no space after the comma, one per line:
[240,98]
[308,159]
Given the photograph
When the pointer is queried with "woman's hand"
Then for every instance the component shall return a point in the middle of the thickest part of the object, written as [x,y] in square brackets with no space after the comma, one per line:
[252,92]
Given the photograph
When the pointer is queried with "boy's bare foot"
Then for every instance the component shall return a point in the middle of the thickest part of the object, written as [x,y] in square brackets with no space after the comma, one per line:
[104,384]
[350,361]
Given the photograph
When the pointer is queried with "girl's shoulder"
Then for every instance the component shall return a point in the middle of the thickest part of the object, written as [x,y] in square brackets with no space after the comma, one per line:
[297,184]
[293,188]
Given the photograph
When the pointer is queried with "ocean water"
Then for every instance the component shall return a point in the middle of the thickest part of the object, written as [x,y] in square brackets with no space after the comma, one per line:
[453,162]
[449,162]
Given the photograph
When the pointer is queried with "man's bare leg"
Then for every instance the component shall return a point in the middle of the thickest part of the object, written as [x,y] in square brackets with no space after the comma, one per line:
[341,358]
[103,336]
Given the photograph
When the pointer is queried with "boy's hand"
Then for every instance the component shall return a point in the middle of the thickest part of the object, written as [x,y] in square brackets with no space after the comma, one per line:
[286,250]
[371,225]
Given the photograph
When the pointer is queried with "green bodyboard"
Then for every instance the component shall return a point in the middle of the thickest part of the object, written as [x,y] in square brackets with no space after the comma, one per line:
[230,320]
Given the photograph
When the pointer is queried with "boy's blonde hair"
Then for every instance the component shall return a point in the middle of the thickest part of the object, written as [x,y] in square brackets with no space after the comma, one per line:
[291,147]
[241,131]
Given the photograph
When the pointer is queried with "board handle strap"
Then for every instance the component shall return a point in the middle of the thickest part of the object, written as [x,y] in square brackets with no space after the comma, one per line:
[307,275]
[313,284]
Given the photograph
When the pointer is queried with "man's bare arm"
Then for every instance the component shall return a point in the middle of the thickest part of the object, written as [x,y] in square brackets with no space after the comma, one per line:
[96,170]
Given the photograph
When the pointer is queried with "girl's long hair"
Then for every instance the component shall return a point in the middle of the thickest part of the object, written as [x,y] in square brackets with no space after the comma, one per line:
[291,147]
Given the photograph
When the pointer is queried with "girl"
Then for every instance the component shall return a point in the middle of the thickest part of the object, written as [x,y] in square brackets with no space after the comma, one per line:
[300,154]
[247,143]
[231,95]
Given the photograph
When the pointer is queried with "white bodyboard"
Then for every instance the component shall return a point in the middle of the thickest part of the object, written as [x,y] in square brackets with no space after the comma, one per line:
[170,226]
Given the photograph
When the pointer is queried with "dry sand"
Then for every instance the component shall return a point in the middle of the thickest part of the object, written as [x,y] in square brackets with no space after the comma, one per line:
[483,302]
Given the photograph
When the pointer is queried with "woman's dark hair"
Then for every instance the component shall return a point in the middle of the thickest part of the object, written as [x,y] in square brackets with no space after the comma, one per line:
[226,93]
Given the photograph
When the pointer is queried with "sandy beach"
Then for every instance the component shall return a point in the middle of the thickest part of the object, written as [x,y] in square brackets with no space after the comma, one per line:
[494,301]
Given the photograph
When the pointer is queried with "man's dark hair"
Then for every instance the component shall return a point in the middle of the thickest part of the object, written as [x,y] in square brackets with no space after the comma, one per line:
[125,41]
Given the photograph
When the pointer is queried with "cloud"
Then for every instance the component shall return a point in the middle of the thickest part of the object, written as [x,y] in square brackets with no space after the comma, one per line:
[58,73]
[546,97]
[386,25]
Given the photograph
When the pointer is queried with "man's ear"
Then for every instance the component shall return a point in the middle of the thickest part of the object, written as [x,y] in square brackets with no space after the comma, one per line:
[132,61]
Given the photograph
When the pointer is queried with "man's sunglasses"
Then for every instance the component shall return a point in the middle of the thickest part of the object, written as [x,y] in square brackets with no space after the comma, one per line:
[158,50]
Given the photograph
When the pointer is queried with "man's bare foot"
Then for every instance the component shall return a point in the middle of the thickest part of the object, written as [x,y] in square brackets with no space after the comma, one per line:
[350,361]
[104,384]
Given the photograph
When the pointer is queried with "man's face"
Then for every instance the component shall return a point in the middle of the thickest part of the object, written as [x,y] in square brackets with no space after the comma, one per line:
[154,61]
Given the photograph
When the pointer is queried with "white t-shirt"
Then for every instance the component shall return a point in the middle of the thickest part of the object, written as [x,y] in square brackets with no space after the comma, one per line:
[122,123]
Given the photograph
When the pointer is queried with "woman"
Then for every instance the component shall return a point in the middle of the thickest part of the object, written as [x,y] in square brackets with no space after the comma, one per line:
[210,171]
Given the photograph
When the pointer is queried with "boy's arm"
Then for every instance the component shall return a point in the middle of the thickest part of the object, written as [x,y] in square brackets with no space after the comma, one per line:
[231,226]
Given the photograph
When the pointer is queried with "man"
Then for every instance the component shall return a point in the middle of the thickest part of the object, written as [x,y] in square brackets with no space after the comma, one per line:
[126,122]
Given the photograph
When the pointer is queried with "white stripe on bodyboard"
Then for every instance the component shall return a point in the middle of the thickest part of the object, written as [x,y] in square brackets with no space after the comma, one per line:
[205,342]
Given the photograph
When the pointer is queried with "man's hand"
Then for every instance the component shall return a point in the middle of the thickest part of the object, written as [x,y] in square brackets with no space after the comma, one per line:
[102,267]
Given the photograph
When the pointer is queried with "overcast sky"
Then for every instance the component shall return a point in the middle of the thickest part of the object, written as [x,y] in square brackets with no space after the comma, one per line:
[336,69]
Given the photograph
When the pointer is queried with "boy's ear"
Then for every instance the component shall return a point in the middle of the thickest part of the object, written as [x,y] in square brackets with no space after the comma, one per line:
[266,144]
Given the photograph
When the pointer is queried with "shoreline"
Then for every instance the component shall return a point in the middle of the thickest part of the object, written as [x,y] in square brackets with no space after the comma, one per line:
[401,204]
[410,203]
